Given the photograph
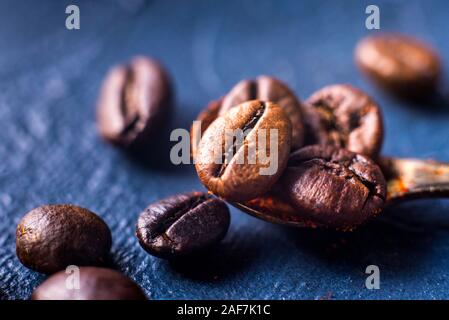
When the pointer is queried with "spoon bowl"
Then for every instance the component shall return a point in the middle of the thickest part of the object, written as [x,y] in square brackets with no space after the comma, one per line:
[406,179]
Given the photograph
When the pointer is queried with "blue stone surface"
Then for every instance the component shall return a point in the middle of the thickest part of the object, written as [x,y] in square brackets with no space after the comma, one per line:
[50,151]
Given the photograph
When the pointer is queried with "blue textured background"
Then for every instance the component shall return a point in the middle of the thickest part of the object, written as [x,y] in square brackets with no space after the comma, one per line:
[50,151]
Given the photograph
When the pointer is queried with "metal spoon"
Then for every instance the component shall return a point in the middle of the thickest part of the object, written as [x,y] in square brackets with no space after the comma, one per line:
[406,179]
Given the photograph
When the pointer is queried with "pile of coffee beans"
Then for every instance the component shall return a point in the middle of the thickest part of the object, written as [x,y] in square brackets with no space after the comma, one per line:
[330,180]
[316,165]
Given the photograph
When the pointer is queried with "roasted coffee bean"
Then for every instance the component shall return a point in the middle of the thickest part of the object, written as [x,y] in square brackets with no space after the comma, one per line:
[182,224]
[345,117]
[239,168]
[94,284]
[206,117]
[134,103]
[51,237]
[400,64]
[267,88]
[334,187]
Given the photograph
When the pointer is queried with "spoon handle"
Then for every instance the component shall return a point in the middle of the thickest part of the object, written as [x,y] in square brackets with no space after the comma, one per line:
[414,178]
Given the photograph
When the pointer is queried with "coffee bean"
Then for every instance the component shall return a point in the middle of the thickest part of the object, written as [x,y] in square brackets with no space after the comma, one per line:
[94,284]
[182,224]
[345,117]
[334,187]
[51,237]
[134,103]
[267,88]
[400,64]
[241,173]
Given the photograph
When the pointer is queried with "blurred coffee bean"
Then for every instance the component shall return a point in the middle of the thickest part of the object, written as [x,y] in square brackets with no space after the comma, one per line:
[182,224]
[400,64]
[134,103]
[246,168]
[94,284]
[333,187]
[345,117]
[51,237]
[267,88]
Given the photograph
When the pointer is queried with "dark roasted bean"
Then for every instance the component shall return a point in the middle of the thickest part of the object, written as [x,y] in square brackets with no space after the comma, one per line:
[345,117]
[334,187]
[134,103]
[94,284]
[182,224]
[51,237]
[400,64]
[267,88]
[241,172]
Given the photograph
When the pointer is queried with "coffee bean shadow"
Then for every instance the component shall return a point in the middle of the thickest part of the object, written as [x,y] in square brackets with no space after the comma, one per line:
[156,158]
[219,263]
[438,102]
[156,155]
[111,262]
[398,240]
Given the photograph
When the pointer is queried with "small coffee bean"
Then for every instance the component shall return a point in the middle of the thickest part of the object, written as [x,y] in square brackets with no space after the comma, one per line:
[94,284]
[134,103]
[267,88]
[334,187]
[400,64]
[345,117]
[241,172]
[182,224]
[51,237]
